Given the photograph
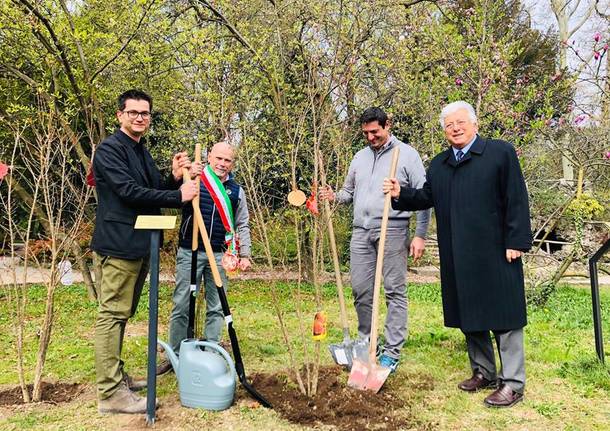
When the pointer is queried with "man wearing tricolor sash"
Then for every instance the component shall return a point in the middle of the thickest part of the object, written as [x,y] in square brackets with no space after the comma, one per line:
[225,213]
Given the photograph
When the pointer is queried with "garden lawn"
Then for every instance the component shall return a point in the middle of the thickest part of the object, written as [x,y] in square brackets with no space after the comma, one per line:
[567,389]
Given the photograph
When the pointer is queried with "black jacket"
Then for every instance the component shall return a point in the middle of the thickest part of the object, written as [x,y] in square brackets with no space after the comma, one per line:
[481,207]
[128,184]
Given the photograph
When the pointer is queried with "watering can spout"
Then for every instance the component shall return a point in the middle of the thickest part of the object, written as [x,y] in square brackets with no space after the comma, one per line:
[169,353]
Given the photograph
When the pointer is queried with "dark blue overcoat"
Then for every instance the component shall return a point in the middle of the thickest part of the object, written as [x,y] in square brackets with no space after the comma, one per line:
[481,208]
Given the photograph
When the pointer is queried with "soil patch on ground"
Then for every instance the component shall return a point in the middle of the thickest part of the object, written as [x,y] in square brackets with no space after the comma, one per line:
[53,393]
[336,403]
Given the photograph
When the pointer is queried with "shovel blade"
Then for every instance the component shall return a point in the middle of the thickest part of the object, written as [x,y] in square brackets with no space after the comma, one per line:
[376,377]
[342,354]
[359,374]
[360,350]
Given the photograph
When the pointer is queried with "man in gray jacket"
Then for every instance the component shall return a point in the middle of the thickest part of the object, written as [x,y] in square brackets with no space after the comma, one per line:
[362,187]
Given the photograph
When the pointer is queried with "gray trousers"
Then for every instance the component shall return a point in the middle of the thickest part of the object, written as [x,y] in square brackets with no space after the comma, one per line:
[363,254]
[214,317]
[510,351]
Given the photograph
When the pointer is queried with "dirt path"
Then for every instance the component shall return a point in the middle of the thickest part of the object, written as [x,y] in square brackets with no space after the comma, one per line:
[428,274]
[424,274]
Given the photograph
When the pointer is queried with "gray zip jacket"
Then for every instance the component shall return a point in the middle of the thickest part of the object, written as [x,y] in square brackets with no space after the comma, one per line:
[364,186]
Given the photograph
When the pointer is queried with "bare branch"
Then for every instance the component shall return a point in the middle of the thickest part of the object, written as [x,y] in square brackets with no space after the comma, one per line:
[225,22]
[79,47]
[60,49]
[126,44]
[583,20]
[414,2]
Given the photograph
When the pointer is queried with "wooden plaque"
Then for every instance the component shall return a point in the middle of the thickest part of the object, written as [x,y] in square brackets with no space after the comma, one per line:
[155,222]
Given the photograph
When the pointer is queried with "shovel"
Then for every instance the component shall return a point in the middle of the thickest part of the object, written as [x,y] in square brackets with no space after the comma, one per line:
[369,375]
[239,363]
[342,352]
[190,332]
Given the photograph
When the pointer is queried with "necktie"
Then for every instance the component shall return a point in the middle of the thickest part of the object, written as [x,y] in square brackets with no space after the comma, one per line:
[459,156]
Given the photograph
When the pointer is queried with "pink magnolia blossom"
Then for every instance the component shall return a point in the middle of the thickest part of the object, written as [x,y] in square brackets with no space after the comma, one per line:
[597,36]
[458,82]
[605,48]
[596,55]
[3,170]
[578,120]
[607,155]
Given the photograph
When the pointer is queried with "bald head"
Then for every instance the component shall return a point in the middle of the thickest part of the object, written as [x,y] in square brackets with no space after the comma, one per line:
[221,158]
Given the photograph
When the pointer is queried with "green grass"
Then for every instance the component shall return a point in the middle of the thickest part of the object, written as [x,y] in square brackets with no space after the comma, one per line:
[567,388]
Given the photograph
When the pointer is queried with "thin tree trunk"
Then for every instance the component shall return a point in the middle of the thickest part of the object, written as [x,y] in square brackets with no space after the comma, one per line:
[45,337]
[84,269]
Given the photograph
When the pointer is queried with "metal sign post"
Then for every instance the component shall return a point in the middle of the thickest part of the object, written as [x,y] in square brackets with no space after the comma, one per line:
[597,315]
[155,224]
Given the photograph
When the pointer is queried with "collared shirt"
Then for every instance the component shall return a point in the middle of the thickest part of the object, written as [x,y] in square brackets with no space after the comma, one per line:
[384,146]
[465,149]
[138,148]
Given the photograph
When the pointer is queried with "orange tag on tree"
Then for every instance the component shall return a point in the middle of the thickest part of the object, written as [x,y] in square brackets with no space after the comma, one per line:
[312,204]
[319,326]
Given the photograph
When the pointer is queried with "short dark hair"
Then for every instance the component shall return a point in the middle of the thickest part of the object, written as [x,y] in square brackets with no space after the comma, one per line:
[374,114]
[134,95]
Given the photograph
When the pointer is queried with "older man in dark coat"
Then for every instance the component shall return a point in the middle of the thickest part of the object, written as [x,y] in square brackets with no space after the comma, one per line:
[482,214]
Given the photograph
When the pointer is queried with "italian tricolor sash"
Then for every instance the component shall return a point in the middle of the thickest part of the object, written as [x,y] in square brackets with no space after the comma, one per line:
[214,186]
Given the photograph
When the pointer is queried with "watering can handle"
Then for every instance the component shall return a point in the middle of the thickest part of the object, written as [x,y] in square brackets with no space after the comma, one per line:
[220,350]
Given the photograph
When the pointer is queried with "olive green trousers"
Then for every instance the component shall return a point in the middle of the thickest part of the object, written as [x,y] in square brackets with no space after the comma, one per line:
[118,292]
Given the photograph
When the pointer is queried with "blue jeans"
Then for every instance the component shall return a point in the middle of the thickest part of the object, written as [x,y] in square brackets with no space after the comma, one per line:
[214,317]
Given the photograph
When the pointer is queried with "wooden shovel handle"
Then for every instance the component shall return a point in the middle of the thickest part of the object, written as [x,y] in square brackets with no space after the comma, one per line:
[333,249]
[203,232]
[379,268]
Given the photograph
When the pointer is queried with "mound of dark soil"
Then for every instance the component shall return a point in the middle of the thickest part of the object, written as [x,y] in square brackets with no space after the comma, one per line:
[51,392]
[336,403]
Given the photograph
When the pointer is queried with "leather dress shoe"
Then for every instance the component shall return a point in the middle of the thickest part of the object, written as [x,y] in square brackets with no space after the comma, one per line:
[163,367]
[476,383]
[504,396]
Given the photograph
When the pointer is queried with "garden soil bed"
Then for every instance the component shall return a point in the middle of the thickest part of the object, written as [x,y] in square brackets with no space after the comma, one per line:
[53,393]
[336,403]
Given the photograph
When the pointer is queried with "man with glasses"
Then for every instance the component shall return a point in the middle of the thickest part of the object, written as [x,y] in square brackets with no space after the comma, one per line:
[482,216]
[128,185]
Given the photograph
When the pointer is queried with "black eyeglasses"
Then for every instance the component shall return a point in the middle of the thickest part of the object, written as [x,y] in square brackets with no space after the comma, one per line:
[135,114]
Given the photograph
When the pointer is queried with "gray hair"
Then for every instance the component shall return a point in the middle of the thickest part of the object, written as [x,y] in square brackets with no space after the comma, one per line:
[456,106]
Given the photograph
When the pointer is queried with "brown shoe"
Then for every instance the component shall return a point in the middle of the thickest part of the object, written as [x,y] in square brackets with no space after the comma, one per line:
[164,366]
[226,345]
[476,383]
[134,384]
[504,396]
[123,401]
